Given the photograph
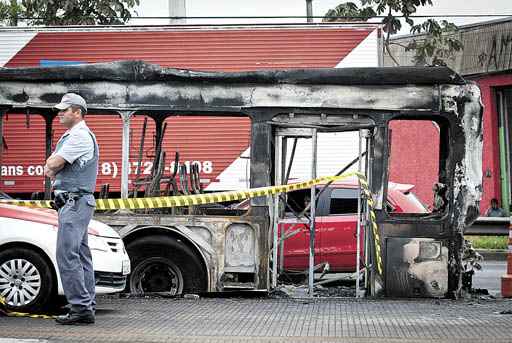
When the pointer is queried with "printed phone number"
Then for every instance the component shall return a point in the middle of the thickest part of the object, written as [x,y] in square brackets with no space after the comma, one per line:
[109,168]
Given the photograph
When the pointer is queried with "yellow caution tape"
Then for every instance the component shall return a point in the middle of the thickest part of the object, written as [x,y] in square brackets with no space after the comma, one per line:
[201,199]
[6,312]
[195,199]
[373,223]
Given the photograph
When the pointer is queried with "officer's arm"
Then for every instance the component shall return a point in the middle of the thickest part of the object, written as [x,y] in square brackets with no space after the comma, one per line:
[75,146]
[53,165]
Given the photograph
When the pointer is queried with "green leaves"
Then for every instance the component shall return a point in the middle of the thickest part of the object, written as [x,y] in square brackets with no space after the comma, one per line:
[69,12]
[350,11]
[391,24]
[9,12]
[437,44]
[438,41]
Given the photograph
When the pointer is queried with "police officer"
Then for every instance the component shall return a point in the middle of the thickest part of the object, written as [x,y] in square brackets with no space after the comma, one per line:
[73,167]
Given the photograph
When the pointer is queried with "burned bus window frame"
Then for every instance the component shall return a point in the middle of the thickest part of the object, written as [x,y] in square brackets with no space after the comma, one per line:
[444,169]
[325,121]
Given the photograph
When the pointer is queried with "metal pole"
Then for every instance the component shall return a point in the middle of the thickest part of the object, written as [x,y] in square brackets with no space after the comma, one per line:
[504,172]
[313,214]
[277,176]
[125,116]
[369,179]
[358,235]
[159,133]
[290,163]
[284,152]
[506,125]
[309,10]
[48,120]
[365,222]
[177,8]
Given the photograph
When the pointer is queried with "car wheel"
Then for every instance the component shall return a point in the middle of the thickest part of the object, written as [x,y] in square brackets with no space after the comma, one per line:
[26,281]
[163,264]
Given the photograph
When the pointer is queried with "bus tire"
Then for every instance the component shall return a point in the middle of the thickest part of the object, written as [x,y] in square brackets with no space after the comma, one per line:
[163,264]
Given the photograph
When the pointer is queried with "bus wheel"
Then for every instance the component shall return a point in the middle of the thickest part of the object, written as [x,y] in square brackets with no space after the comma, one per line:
[162,264]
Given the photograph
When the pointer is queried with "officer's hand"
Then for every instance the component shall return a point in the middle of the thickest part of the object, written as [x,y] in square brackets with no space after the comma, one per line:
[49,173]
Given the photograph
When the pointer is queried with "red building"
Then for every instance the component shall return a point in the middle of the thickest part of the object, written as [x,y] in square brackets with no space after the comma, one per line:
[487,60]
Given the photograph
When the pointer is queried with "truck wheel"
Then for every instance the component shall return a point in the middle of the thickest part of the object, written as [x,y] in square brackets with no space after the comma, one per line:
[165,265]
[26,281]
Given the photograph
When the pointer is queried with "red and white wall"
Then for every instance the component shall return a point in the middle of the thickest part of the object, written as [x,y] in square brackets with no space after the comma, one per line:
[218,145]
[491,149]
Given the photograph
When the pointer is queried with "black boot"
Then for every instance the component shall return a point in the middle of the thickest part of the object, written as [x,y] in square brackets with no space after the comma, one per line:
[85,317]
[68,308]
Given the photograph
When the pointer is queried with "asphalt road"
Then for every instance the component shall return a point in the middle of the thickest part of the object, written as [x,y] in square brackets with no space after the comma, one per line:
[490,276]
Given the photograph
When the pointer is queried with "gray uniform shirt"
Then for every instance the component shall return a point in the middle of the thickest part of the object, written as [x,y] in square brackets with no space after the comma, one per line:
[78,146]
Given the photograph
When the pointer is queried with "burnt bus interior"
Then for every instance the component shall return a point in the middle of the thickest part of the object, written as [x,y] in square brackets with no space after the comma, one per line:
[413,255]
[295,131]
[424,274]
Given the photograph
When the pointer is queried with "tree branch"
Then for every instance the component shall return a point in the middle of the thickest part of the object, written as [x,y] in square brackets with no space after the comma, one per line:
[399,44]
[386,43]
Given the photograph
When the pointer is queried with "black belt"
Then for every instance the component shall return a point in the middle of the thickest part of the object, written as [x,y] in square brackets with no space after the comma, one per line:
[79,193]
[62,198]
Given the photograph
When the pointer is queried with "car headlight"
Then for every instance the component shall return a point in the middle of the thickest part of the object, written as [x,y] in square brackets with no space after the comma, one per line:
[97,243]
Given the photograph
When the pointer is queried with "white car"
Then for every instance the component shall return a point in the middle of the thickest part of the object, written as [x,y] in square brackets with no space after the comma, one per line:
[29,278]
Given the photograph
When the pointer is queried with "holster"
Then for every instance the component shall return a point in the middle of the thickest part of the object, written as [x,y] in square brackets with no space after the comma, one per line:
[62,198]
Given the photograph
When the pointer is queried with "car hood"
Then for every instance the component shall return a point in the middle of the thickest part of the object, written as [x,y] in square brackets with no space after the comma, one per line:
[401,187]
[49,217]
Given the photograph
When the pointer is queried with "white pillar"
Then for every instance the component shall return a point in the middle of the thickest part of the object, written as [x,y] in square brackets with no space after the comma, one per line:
[275,216]
[125,116]
[177,8]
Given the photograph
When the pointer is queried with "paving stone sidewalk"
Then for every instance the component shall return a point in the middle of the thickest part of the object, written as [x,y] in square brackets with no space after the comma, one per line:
[277,320]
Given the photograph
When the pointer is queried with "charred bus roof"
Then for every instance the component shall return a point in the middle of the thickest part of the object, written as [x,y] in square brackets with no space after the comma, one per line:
[139,86]
[129,71]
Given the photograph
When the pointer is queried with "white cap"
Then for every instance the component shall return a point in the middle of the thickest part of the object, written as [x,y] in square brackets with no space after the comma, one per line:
[71,99]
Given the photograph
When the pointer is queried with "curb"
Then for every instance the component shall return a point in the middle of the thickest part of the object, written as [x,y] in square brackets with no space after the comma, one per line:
[493,254]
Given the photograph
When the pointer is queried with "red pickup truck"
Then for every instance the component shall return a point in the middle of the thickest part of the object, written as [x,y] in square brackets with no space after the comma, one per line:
[336,222]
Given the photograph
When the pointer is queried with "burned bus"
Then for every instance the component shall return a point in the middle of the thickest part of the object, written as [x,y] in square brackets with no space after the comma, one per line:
[239,246]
